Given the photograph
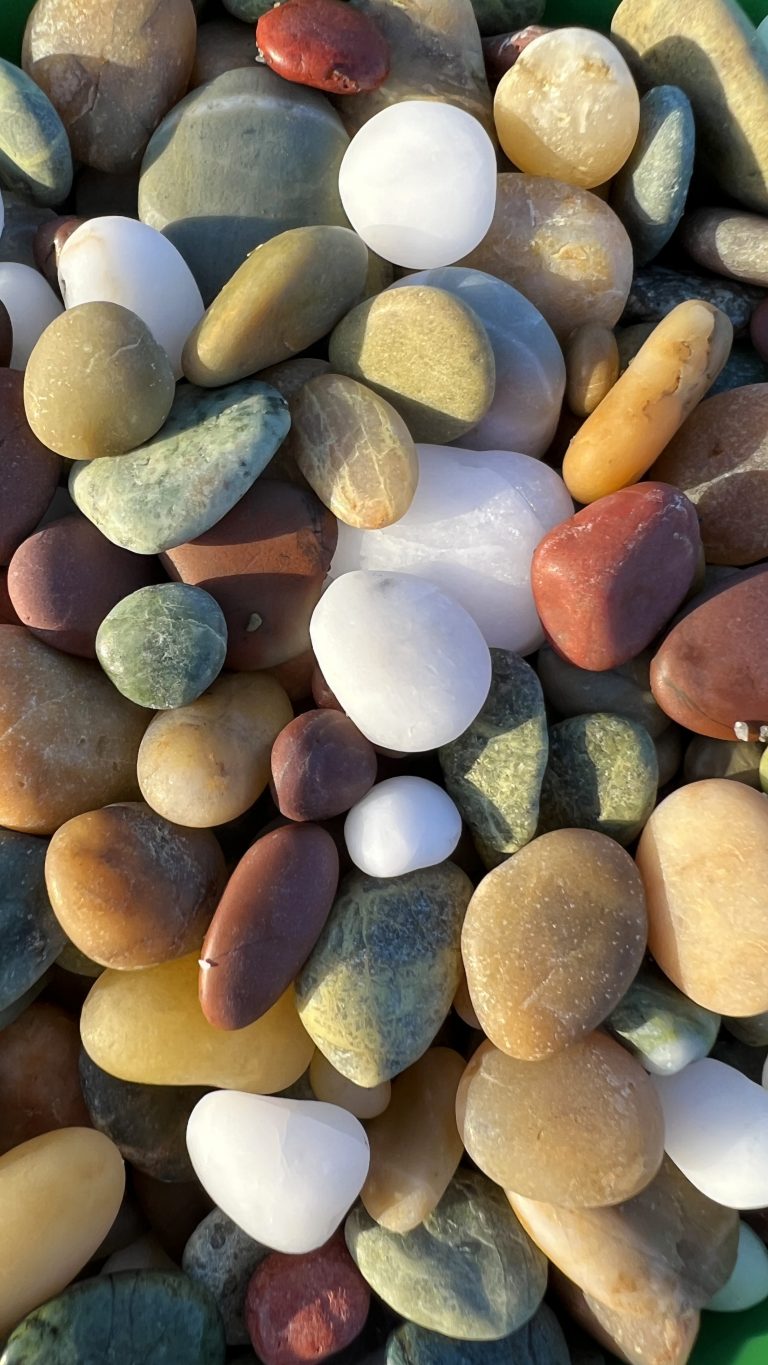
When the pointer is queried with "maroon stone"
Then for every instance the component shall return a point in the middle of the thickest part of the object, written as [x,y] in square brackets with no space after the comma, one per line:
[322,693]
[49,240]
[6,336]
[29,471]
[267,923]
[265,563]
[321,765]
[65,578]
[305,1308]
[324,43]
[608,579]
[503,49]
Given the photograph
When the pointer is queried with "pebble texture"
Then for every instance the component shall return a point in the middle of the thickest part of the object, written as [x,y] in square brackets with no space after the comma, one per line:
[622,691]
[729,243]
[221,1258]
[147,1123]
[163,646]
[650,190]
[656,290]
[35,157]
[602,775]
[32,936]
[306,1307]
[539,1342]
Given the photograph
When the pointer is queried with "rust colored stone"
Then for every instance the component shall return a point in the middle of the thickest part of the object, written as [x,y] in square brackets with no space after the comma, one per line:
[325,44]
[305,1308]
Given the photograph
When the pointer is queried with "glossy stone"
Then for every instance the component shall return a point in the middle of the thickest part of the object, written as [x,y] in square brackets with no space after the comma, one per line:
[468,1271]
[663,1028]
[622,691]
[600,1152]
[540,1339]
[650,191]
[32,306]
[309,1306]
[29,472]
[328,1084]
[164,645]
[410,925]
[199,465]
[402,824]
[33,937]
[716,1121]
[321,766]
[147,1123]
[221,1258]
[35,157]
[324,44]
[125,1012]
[39,1083]
[602,774]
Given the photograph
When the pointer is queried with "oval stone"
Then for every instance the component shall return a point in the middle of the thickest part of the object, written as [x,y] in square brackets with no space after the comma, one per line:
[650,190]
[39,1081]
[267,923]
[408,927]
[602,774]
[324,44]
[35,158]
[540,1339]
[592,360]
[164,645]
[147,1123]
[402,824]
[728,243]
[321,766]
[32,936]
[468,1271]
[221,1258]
[306,1306]
[29,472]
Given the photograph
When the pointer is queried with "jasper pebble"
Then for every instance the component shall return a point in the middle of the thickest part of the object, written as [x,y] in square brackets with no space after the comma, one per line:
[324,44]
[35,156]
[163,646]
[222,1258]
[402,824]
[32,306]
[147,1123]
[602,774]
[663,1028]
[321,766]
[29,472]
[650,190]
[307,1306]
[39,1081]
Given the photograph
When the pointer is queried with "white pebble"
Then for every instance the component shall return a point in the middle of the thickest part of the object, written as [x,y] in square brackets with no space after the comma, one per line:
[400,825]
[32,306]
[748,1282]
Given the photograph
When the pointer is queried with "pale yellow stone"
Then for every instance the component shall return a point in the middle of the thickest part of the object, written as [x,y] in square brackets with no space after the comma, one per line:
[591,366]
[329,1085]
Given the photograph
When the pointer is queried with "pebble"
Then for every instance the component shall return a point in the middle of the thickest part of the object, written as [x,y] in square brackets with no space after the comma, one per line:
[306,1307]
[502,50]
[743,366]
[206,763]
[324,44]
[97,383]
[222,45]
[602,774]
[698,841]
[272,1150]
[183,482]
[288,294]
[426,353]
[221,1258]
[758,330]
[60,1194]
[126,1012]
[248,10]
[540,1339]
[29,472]
[657,290]
[35,158]
[561,247]
[468,1270]
[660,1026]
[32,306]
[592,361]
[164,645]
[110,72]
[729,243]
[127,1316]
[328,1084]
[669,375]
[601,1152]
[402,824]
[650,190]
[622,691]
[267,155]
[147,1123]
[654,1339]
[415,1144]
[39,1082]
[321,766]
[748,1283]
[48,244]
[719,458]
[409,926]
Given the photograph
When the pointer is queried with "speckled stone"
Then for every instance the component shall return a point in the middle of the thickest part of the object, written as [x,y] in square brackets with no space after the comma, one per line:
[148,1123]
[135,1315]
[35,158]
[602,774]
[661,1026]
[495,769]
[656,290]
[187,478]
[468,1271]
[505,16]
[306,1307]
[385,940]
[729,243]
[539,1342]
[32,936]
[221,1258]
[164,645]
[650,190]
[623,691]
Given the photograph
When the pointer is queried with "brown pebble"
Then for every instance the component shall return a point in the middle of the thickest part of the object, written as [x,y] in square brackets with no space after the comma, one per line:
[502,50]
[758,329]
[325,44]
[29,471]
[47,246]
[39,1077]
[321,765]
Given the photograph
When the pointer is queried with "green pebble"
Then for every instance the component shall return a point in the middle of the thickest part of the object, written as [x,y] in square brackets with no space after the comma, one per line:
[539,1342]
[624,691]
[494,771]
[650,191]
[661,1026]
[222,1258]
[506,16]
[163,646]
[31,935]
[136,1317]
[35,156]
[381,978]
[469,1270]
[148,1123]
[602,774]
[213,446]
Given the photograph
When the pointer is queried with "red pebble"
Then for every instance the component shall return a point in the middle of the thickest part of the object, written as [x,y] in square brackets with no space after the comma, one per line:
[305,1308]
[324,43]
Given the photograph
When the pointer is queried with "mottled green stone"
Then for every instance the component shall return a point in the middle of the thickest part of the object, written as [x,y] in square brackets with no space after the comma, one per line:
[506,16]
[539,1342]
[163,646]
[35,156]
[624,691]
[136,1317]
[661,1026]
[30,933]
[650,191]
[178,485]
[147,1122]
[381,978]
[495,769]
[469,1270]
[602,774]
[222,1258]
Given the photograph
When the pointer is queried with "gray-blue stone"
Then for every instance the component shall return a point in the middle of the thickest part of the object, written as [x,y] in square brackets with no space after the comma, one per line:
[35,156]
[650,190]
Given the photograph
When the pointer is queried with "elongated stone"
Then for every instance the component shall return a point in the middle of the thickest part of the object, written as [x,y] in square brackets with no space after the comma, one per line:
[650,190]
[540,1339]
[729,243]
[221,1258]
[658,1339]
[663,1028]
[164,645]
[39,1082]
[206,457]
[147,1123]
[35,156]
[32,935]
[602,774]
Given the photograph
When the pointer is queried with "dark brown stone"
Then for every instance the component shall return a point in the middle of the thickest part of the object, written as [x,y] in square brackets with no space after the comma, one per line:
[321,765]
[758,330]
[8,615]
[324,43]
[39,1079]
[6,336]
[267,923]
[29,471]
[305,1308]
[48,244]
[322,693]
[173,1211]
[295,675]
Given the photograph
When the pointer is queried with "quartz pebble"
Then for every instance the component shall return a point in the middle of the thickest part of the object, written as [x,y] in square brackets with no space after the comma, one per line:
[306,1307]
[324,44]
[321,766]
[163,646]
[328,1084]
[602,774]
[32,306]
[147,1123]
[32,934]
[663,1028]
[650,190]
[272,1149]
[39,1081]
[402,824]
[222,1258]
[35,156]
[748,1282]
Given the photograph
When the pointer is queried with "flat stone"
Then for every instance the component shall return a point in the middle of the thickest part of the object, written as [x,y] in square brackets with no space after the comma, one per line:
[29,472]
[306,1306]
[35,158]
[663,1028]
[222,1258]
[650,190]
[656,290]
[39,1081]
[321,766]
[207,455]
[622,691]
[164,645]
[324,44]
[602,774]
[540,1339]
[147,1123]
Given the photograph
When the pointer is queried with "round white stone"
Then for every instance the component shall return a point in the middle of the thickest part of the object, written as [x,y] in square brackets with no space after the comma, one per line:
[400,825]
[407,663]
[32,306]
[748,1283]
[716,1123]
[120,260]
[286,1171]
[472,528]
[418,183]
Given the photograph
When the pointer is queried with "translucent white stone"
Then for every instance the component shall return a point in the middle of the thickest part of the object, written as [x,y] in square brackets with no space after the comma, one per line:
[406,662]
[120,260]
[716,1123]
[472,528]
[530,369]
[418,183]
[400,825]
[32,306]
[748,1283]
[286,1171]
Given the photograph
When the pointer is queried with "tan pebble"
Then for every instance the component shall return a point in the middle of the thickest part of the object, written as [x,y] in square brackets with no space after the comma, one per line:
[592,367]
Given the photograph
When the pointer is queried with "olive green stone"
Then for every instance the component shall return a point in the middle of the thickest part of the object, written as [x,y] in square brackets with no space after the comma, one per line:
[136,1317]
[147,1122]
[622,691]
[287,295]
[35,156]
[222,1258]
[469,1270]
[661,1026]
[381,978]
[31,935]
[539,1342]
[602,774]
[425,352]
[739,760]
[163,646]
[210,451]
[495,769]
